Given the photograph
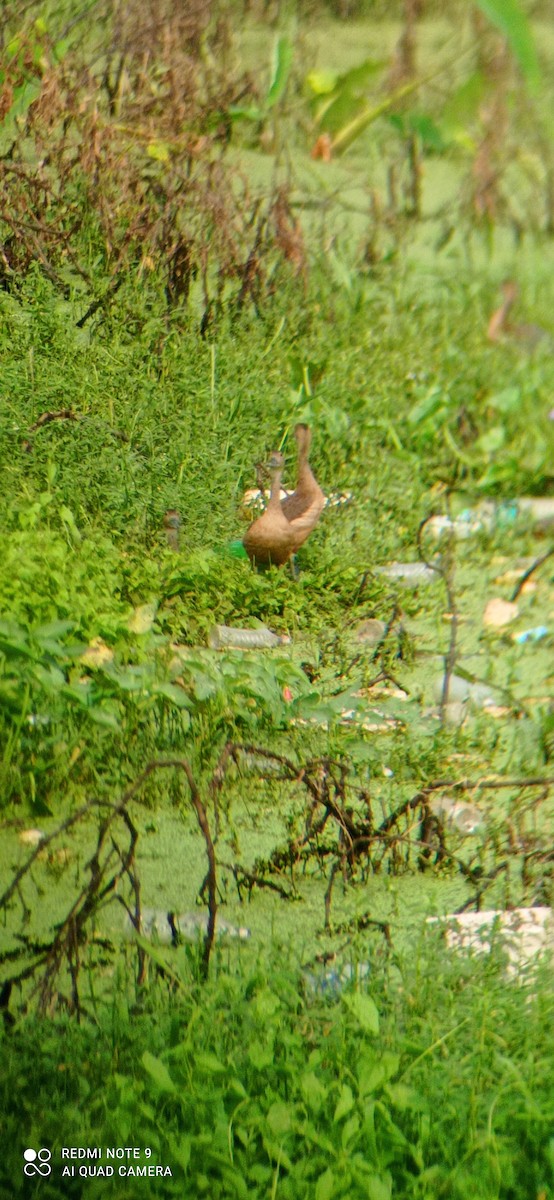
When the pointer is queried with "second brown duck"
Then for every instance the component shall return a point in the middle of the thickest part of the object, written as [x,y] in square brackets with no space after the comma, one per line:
[271,539]
[304,506]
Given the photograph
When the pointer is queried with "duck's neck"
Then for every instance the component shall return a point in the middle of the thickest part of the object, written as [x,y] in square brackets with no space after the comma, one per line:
[274,501]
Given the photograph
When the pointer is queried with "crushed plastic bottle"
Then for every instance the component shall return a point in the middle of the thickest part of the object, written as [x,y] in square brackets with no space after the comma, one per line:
[223,637]
[410,574]
[531,635]
[167,927]
[331,981]
[457,814]
[491,515]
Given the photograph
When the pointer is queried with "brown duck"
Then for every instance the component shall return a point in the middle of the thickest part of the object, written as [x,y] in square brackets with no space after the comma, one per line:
[304,506]
[271,539]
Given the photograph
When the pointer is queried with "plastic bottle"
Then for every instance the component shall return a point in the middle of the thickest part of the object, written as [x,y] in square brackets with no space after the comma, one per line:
[222,637]
[410,574]
[491,514]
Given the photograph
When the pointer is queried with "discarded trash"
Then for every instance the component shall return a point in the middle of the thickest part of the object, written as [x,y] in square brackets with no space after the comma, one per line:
[524,932]
[466,818]
[411,574]
[142,618]
[490,515]
[255,498]
[168,927]
[97,654]
[338,499]
[331,981]
[462,690]
[223,636]
[31,837]
[531,635]
[499,612]
[370,631]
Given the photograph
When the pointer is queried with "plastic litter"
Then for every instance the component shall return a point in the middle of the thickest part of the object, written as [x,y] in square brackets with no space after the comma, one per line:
[165,927]
[223,636]
[370,631]
[463,817]
[490,515]
[525,933]
[331,981]
[410,574]
[461,690]
[531,635]
[31,837]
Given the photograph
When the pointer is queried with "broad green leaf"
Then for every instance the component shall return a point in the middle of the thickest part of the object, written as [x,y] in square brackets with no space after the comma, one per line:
[282,62]
[102,716]
[23,97]
[508,400]
[349,1130]
[313,1090]
[242,113]
[53,629]
[325,1185]
[173,693]
[511,20]
[158,1071]
[209,1064]
[379,1187]
[279,1118]
[345,1103]
[364,1010]
[260,1056]
[492,440]
[267,1003]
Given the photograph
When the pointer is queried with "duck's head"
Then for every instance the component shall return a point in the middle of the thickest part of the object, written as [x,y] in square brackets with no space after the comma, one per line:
[303,435]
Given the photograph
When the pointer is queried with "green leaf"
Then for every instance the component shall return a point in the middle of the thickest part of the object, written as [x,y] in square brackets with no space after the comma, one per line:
[53,629]
[102,716]
[279,1118]
[240,113]
[510,19]
[173,693]
[325,1185]
[210,1064]
[492,440]
[23,97]
[282,62]
[345,1102]
[364,1010]
[426,407]
[313,1090]
[158,1071]
[349,1130]
[379,1188]
[508,400]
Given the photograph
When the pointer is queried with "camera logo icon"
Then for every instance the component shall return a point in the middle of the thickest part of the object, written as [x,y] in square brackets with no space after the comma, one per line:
[37,1162]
